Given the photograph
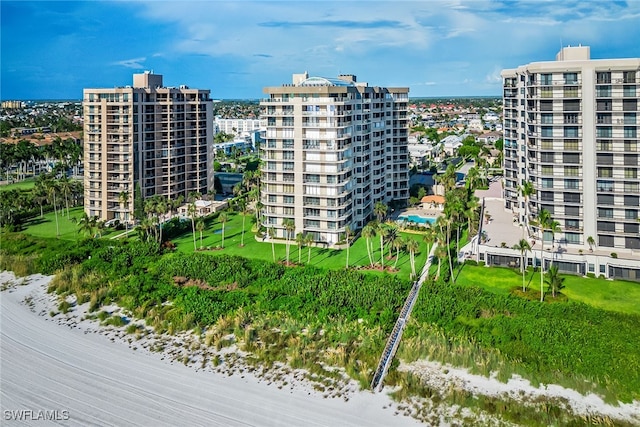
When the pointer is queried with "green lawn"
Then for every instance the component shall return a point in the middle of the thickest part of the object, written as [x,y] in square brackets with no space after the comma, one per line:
[321,257]
[27,184]
[613,295]
[46,226]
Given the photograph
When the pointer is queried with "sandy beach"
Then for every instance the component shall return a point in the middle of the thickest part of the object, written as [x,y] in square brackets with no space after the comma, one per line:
[83,377]
[83,373]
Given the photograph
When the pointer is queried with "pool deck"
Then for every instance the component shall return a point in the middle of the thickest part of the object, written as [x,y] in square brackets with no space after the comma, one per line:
[425,213]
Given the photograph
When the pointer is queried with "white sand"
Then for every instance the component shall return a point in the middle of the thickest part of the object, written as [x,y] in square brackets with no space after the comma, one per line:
[102,376]
[46,366]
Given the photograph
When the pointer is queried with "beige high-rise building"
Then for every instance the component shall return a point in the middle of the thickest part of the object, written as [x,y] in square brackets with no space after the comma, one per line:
[333,148]
[571,130]
[146,135]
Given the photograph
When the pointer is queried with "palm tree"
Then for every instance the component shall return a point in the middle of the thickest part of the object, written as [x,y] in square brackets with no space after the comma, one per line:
[590,242]
[523,246]
[308,241]
[544,218]
[223,218]
[86,224]
[200,228]
[380,211]
[52,190]
[397,243]
[368,231]
[191,210]
[123,199]
[347,236]
[429,237]
[242,206]
[64,185]
[381,232]
[300,241]
[412,246]
[526,190]
[272,235]
[554,280]
[289,227]
[161,209]
[440,252]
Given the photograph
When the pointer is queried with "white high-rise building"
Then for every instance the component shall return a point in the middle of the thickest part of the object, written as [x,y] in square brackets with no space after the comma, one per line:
[146,135]
[333,148]
[571,130]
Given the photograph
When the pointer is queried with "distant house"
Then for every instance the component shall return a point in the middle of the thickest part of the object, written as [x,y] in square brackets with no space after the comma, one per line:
[203,208]
[489,137]
[432,202]
[450,144]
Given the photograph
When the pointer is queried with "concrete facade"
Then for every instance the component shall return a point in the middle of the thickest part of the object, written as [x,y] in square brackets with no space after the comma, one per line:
[157,137]
[571,129]
[333,148]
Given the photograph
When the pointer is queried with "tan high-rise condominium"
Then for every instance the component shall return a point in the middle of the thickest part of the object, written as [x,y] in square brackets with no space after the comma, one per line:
[333,148]
[571,130]
[144,140]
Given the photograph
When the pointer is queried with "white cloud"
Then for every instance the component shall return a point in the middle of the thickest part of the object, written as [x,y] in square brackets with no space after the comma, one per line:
[135,63]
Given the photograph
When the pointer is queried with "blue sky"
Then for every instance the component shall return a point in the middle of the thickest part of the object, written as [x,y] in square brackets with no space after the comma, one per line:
[52,50]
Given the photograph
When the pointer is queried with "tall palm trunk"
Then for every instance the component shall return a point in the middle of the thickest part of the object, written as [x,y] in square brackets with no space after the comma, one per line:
[55,210]
[542,268]
[381,249]
[453,280]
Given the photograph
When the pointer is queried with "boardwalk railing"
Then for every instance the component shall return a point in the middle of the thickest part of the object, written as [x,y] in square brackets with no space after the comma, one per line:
[396,334]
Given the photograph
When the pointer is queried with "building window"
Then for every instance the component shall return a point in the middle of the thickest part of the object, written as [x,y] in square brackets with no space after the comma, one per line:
[571,105]
[604,132]
[572,184]
[629,91]
[629,118]
[632,201]
[547,157]
[572,197]
[546,132]
[572,171]
[573,238]
[630,173]
[546,119]
[631,187]
[546,79]
[606,199]
[603,77]
[547,170]
[573,158]
[288,188]
[630,132]
[572,224]
[605,241]
[571,144]
[571,92]
[606,226]
[547,182]
[287,143]
[605,172]
[572,211]
[606,186]
[288,166]
[631,160]
[605,212]
[603,91]
[570,78]
[604,159]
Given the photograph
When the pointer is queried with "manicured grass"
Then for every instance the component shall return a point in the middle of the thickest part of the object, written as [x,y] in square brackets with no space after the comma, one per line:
[320,257]
[45,226]
[27,184]
[613,295]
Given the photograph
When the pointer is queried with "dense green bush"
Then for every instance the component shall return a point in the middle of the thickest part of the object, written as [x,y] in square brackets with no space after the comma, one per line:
[571,338]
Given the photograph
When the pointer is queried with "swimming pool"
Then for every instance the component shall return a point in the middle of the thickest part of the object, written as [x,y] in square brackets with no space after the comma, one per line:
[416,218]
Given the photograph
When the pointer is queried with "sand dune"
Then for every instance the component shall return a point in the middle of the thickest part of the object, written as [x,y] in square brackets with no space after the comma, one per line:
[49,367]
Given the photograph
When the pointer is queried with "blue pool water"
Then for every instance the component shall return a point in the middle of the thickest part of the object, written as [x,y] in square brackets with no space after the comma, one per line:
[416,218]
